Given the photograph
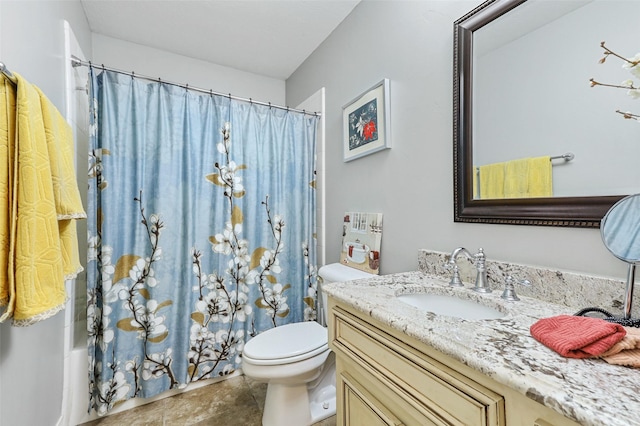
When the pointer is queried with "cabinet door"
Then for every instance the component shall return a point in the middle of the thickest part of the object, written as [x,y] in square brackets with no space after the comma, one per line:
[365,398]
[362,408]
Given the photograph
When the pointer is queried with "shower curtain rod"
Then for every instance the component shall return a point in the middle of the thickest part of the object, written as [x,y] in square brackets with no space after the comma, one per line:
[77,62]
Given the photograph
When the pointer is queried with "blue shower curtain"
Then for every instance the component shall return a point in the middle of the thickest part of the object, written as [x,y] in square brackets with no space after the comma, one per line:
[201,233]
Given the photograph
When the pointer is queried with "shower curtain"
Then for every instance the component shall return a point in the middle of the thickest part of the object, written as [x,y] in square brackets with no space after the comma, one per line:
[201,232]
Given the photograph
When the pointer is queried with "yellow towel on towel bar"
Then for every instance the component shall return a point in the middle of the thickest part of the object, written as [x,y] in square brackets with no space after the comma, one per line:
[516,178]
[38,230]
[540,177]
[491,181]
[528,177]
[7,136]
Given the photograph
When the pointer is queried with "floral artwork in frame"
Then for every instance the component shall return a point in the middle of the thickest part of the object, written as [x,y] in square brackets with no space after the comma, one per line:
[361,240]
[365,122]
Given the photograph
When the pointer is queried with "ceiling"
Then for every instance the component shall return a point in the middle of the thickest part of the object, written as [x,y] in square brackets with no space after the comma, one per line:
[266,37]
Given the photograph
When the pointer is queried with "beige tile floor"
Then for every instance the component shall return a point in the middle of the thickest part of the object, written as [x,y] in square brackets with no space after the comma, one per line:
[237,401]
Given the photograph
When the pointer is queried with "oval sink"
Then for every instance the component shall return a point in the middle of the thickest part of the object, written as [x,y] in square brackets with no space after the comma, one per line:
[450,306]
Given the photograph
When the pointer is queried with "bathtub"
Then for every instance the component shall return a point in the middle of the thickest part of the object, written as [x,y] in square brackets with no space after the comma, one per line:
[77,392]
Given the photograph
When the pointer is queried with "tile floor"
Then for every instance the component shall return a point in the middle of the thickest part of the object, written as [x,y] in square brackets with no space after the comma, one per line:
[237,401]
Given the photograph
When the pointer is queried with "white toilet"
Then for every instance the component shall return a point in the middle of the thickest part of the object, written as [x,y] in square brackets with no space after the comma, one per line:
[296,362]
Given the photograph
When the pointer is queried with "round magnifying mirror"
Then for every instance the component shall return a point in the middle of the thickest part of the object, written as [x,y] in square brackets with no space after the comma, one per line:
[620,229]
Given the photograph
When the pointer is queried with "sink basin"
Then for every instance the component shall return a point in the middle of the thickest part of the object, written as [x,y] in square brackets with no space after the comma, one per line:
[450,306]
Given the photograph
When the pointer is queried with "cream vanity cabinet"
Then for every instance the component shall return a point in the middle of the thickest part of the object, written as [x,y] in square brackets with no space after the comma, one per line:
[385,377]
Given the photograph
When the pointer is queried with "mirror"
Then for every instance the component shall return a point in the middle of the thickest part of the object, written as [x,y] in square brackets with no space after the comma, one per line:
[620,232]
[525,95]
[620,229]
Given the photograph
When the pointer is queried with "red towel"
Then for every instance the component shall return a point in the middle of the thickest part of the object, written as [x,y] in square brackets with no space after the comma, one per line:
[577,337]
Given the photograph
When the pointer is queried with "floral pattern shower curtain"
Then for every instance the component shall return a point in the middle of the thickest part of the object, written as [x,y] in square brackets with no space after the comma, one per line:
[201,233]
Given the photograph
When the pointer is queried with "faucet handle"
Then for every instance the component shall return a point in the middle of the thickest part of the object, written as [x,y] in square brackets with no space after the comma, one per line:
[455,278]
[509,292]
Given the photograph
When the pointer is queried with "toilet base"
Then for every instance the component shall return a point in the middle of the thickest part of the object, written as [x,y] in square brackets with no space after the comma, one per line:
[286,405]
[323,405]
[302,404]
[322,393]
[298,410]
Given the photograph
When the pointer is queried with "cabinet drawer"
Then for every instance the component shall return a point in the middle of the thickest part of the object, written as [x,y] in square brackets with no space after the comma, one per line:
[453,397]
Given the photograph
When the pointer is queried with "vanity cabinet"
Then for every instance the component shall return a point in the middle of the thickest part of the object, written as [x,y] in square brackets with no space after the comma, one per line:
[385,377]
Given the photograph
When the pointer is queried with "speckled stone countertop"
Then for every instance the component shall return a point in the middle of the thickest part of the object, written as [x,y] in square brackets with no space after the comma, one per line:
[590,392]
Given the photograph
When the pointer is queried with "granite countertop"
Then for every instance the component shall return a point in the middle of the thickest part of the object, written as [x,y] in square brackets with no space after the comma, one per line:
[589,391]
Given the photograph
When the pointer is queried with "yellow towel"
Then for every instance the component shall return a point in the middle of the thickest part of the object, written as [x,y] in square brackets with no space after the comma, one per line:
[528,177]
[7,135]
[523,178]
[41,249]
[540,177]
[516,178]
[491,181]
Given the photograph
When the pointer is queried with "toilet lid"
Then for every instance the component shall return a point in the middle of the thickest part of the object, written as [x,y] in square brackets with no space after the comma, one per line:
[287,341]
[337,272]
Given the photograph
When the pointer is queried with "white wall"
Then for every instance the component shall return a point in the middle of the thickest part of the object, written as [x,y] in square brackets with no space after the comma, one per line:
[31,359]
[152,62]
[411,43]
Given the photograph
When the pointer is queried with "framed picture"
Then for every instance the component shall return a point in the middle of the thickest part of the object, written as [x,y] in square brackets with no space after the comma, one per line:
[365,122]
[361,240]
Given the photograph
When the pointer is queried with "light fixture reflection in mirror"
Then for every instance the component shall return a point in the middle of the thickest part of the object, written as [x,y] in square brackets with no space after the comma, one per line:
[620,230]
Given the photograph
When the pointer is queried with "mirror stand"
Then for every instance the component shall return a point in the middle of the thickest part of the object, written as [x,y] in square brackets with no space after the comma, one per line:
[628,296]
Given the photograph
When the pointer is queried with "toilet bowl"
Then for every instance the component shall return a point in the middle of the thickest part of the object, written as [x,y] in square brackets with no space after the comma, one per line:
[296,362]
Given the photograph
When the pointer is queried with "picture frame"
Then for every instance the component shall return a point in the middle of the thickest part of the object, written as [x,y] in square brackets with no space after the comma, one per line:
[365,122]
[361,241]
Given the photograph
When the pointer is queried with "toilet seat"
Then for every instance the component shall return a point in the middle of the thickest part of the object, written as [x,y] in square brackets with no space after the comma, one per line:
[286,344]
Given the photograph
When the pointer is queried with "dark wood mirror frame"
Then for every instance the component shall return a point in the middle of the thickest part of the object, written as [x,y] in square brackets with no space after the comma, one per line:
[582,212]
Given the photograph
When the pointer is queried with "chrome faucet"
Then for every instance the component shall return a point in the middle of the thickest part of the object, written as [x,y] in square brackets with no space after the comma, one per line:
[479,260]
[482,283]
[509,292]
[455,279]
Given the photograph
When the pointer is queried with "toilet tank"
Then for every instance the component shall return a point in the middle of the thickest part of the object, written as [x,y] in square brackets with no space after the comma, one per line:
[332,273]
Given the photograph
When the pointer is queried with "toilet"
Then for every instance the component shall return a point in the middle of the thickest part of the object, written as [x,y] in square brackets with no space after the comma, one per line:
[296,362]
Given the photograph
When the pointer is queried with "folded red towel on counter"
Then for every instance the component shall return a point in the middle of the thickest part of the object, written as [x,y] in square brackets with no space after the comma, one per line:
[577,337]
